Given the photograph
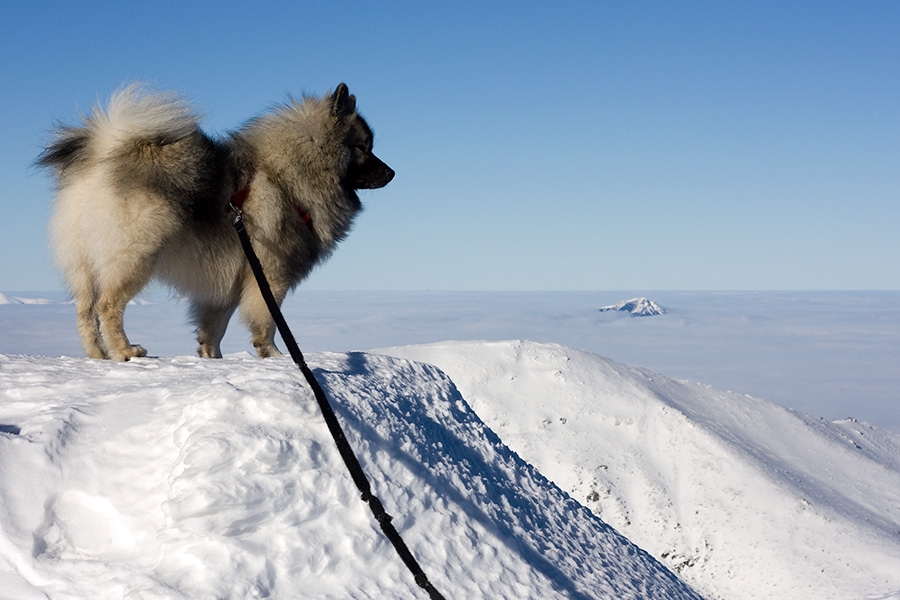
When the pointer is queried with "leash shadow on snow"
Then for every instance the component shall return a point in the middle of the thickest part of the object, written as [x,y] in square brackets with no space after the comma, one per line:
[487,509]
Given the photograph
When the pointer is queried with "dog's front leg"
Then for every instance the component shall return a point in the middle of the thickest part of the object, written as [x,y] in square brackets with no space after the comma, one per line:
[212,321]
[256,316]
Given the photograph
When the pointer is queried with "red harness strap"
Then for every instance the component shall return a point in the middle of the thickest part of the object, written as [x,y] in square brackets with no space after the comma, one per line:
[240,196]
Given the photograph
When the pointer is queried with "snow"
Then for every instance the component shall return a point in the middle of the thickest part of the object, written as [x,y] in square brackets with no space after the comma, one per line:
[511,476]
[191,478]
[743,498]
[636,307]
[5,299]
[830,354]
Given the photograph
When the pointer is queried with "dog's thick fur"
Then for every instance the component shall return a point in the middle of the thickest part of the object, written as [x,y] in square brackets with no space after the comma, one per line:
[144,193]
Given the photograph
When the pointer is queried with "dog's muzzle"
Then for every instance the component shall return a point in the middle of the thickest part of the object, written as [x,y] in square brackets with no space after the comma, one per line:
[371,174]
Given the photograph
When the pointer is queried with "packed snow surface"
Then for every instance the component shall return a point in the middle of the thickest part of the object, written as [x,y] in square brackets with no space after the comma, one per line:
[203,479]
[743,498]
[637,307]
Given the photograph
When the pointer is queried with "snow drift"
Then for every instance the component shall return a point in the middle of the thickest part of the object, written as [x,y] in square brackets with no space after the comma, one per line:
[743,498]
[190,478]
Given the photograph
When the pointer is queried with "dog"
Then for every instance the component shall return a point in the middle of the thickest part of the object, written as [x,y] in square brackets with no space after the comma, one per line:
[143,193]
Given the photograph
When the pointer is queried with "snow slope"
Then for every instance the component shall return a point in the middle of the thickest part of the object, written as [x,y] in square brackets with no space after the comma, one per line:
[742,497]
[200,479]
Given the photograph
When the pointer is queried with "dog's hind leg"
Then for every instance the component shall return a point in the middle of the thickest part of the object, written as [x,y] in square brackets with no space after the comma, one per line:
[112,323]
[89,327]
[111,308]
[85,291]
[212,321]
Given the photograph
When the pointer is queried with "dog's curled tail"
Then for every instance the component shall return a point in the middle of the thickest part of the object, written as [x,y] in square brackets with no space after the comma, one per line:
[135,117]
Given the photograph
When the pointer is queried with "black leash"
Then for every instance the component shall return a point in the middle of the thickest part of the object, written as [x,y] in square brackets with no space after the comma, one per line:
[334,426]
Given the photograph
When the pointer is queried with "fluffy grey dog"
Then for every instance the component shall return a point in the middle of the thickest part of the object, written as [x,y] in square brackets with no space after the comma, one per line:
[144,193]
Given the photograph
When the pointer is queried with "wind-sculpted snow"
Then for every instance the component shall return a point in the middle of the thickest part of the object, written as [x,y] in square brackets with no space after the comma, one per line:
[743,498]
[199,479]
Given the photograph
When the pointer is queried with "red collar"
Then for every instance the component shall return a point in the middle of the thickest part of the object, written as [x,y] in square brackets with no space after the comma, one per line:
[240,196]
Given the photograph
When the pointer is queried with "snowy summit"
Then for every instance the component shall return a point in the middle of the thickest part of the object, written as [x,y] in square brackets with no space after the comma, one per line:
[185,478]
[638,307]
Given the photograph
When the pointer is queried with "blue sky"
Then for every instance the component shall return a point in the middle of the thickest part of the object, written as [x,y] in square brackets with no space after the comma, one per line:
[538,146]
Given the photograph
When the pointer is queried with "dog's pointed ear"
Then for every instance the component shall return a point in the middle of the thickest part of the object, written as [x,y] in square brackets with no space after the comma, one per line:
[343,103]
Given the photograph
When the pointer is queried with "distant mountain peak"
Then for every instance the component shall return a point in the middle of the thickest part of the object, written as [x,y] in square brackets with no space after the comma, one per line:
[638,307]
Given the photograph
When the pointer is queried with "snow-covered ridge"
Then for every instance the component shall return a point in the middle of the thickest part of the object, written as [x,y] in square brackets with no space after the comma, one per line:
[191,478]
[637,307]
[10,299]
[5,299]
[743,498]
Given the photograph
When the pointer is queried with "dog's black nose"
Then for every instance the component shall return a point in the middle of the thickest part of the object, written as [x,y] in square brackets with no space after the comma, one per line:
[373,174]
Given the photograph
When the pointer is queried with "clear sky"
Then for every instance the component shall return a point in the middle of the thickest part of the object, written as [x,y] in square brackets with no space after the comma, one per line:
[597,145]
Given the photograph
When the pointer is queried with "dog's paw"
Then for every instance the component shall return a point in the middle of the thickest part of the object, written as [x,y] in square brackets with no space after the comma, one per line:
[127,354]
[209,351]
[135,351]
[267,351]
